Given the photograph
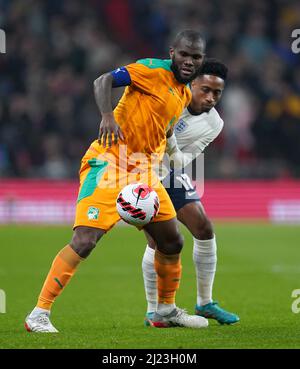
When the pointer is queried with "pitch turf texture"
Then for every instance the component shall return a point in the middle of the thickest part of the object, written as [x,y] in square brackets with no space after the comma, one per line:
[104,306]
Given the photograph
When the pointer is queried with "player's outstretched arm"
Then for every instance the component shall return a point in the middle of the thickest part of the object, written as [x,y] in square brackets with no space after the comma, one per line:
[108,125]
[179,159]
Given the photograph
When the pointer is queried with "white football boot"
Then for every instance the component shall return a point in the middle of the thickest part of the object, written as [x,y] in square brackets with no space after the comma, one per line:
[178,318]
[39,321]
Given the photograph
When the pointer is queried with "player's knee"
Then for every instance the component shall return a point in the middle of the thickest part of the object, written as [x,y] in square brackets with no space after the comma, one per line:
[83,242]
[83,245]
[172,246]
[203,230]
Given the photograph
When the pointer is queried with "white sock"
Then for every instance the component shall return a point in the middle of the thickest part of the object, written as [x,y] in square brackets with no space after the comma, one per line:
[165,309]
[205,260]
[37,311]
[150,279]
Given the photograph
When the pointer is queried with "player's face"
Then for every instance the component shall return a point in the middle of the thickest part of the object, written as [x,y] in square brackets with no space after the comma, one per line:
[187,58]
[207,91]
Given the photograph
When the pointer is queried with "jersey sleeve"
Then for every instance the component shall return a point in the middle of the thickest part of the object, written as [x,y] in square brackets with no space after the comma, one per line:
[198,146]
[121,77]
[142,77]
[183,157]
[137,74]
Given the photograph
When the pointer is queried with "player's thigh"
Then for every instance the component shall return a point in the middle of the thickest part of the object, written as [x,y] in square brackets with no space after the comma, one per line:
[97,211]
[96,203]
[180,189]
[166,208]
[193,216]
[164,228]
[166,212]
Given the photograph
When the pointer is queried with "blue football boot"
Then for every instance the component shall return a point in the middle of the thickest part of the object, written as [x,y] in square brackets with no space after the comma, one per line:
[213,311]
[148,318]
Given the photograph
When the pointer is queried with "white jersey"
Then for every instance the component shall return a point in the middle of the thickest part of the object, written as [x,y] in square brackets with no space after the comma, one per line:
[192,134]
[195,132]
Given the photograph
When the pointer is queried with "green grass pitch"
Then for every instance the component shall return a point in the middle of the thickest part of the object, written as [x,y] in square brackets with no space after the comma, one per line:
[104,305]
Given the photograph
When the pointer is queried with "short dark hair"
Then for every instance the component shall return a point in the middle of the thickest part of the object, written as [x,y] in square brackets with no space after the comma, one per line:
[190,35]
[213,67]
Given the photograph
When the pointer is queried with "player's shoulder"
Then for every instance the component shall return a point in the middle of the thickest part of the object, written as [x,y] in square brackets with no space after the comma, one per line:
[214,119]
[154,63]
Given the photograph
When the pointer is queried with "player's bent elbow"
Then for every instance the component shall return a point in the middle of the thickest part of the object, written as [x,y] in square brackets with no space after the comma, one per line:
[97,83]
[103,79]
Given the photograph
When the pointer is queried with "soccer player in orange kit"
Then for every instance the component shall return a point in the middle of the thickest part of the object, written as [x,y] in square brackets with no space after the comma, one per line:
[153,101]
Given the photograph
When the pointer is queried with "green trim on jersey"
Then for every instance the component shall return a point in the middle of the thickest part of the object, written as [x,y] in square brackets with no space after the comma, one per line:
[156,63]
[93,177]
[170,123]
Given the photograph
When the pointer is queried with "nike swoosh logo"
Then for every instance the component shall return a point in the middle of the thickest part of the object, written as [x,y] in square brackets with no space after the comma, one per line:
[140,192]
[191,193]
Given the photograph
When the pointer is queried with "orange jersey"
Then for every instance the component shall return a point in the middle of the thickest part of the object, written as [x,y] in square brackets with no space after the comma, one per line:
[150,105]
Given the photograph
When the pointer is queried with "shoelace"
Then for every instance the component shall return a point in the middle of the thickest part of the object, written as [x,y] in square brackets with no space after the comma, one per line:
[183,318]
[183,315]
[43,319]
[180,312]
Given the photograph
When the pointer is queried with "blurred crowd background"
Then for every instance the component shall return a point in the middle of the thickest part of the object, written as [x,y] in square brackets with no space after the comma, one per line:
[56,48]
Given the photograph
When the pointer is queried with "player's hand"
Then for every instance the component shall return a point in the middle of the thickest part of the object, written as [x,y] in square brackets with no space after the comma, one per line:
[109,128]
[170,132]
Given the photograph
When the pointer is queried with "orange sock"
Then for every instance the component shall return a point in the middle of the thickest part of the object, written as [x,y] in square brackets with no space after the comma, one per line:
[62,269]
[168,269]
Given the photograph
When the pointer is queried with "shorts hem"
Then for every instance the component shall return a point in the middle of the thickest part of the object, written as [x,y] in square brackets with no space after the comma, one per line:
[177,208]
[91,226]
[155,220]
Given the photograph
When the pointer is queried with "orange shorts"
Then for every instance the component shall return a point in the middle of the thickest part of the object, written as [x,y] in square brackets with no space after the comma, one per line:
[99,188]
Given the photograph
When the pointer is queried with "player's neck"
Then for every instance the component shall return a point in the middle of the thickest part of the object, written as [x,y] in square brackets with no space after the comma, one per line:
[194,111]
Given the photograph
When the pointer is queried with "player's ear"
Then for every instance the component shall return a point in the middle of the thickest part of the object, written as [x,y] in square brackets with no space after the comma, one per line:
[171,52]
[194,81]
[198,81]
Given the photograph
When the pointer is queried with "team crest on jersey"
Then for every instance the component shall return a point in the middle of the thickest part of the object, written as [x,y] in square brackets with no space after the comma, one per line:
[181,126]
[93,213]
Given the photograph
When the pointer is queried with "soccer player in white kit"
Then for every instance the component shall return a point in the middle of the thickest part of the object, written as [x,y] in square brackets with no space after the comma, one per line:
[197,127]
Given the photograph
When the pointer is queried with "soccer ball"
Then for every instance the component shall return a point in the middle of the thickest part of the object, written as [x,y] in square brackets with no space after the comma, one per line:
[137,204]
